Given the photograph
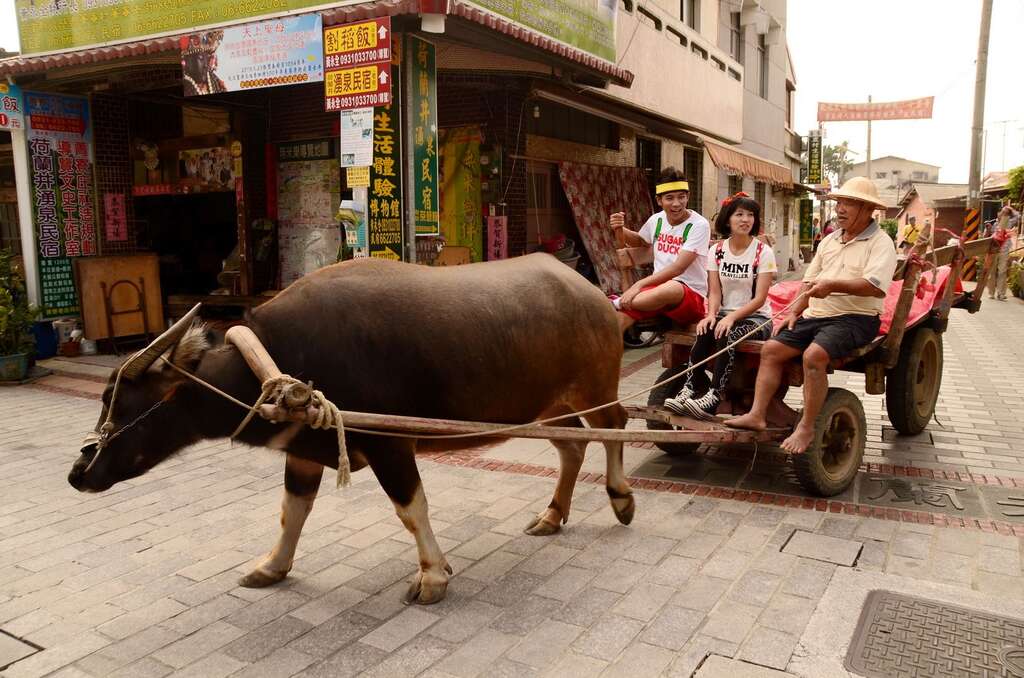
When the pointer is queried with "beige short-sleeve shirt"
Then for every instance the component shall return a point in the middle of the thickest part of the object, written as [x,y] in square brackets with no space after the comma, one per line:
[870,256]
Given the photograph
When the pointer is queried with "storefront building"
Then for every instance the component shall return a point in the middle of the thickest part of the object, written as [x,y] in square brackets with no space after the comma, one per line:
[163,170]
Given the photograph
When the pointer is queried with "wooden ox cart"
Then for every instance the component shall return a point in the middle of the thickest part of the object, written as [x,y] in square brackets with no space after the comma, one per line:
[905,364]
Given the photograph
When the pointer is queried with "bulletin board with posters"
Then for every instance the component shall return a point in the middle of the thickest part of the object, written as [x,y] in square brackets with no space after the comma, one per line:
[308,196]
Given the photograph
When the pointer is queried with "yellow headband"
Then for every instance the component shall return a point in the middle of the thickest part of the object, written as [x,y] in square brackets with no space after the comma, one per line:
[671,186]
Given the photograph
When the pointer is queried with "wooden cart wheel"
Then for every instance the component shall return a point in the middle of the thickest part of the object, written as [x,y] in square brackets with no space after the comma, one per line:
[832,460]
[656,398]
[912,387]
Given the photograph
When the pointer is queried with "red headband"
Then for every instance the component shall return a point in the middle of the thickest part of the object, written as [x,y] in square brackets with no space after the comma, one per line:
[738,194]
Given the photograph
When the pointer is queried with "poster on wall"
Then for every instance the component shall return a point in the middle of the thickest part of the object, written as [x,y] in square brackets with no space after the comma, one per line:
[60,150]
[115,224]
[357,137]
[284,51]
[211,169]
[52,25]
[497,238]
[423,109]
[308,195]
[387,235]
[12,110]
[461,212]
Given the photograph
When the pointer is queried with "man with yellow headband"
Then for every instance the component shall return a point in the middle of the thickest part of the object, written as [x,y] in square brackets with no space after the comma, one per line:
[680,238]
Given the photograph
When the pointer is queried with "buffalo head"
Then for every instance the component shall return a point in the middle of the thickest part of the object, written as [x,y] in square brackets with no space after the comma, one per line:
[145,417]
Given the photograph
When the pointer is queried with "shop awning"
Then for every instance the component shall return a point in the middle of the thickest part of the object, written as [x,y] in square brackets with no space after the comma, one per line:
[366,10]
[745,164]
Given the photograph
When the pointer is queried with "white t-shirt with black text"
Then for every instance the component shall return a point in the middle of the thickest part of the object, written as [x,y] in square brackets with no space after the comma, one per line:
[670,240]
[737,274]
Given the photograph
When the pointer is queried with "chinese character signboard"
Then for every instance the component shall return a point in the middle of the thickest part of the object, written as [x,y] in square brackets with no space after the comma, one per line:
[588,25]
[53,25]
[461,210]
[12,110]
[60,152]
[888,110]
[357,71]
[422,83]
[806,221]
[814,175]
[387,236]
[497,238]
[293,151]
[115,223]
[281,51]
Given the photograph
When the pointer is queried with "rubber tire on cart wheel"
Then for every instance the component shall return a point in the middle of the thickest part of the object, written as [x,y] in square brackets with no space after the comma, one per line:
[656,398]
[912,387]
[832,460]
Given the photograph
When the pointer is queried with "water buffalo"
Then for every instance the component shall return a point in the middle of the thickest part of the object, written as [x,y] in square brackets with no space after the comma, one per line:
[508,342]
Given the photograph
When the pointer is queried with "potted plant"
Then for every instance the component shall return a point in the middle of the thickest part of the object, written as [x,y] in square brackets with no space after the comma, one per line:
[15,321]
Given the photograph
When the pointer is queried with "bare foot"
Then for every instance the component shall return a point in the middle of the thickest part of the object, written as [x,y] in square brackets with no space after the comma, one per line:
[798,441]
[747,421]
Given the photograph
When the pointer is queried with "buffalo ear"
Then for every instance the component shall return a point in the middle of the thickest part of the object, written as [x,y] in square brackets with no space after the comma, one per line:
[190,348]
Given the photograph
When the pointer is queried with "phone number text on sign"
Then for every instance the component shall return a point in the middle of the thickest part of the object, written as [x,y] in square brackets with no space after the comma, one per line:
[358,101]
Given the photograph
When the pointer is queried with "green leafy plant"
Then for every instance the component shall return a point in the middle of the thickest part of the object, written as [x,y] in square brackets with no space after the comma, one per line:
[16,315]
[890,226]
[1013,278]
[1015,186]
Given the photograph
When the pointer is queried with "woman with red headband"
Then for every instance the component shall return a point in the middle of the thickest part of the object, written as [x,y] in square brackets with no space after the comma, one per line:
[740,271]
[680,240]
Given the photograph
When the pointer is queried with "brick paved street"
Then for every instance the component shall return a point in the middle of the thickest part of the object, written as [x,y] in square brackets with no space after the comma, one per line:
[141,580]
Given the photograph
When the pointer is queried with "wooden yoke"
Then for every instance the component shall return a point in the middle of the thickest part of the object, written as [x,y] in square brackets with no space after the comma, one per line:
[256,356]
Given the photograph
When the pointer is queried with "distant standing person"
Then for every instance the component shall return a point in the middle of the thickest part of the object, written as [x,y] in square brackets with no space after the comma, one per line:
[1006,226]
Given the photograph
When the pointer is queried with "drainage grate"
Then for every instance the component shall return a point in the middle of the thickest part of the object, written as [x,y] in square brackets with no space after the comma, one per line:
[905,637]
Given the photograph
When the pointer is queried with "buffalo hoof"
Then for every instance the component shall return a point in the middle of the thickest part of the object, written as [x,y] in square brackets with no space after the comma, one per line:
[258,579]
[624,508]
[428,587]
[545,524]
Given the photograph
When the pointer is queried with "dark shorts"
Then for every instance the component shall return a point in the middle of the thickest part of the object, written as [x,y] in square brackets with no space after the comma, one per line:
[839,336]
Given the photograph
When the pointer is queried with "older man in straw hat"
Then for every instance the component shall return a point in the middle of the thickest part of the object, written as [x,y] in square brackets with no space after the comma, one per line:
[843,298]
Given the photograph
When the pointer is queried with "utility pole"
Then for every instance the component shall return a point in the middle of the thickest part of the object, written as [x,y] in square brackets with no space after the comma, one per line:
[974,183]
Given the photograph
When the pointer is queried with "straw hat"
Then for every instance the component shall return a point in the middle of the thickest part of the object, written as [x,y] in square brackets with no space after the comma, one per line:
[858,188]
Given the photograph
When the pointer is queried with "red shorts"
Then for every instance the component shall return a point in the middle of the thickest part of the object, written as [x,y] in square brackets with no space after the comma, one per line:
[690,309]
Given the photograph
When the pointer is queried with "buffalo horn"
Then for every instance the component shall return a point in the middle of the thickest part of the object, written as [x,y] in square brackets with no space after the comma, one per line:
[140,362]
[252,349]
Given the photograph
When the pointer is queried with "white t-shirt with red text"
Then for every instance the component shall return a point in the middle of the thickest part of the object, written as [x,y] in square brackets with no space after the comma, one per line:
[670,240]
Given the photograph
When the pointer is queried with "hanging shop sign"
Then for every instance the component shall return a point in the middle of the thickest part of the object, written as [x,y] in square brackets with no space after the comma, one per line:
[357,58]
[56,25]
[461,208]
[814,175]
[357,137]
[12,109]
[386,233]
[285,51]
[422,84]
[60,151]
[588,25]
[806,221]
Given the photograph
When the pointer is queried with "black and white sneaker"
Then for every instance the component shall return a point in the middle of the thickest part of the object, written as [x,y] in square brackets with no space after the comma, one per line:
[704,407]
[678,404]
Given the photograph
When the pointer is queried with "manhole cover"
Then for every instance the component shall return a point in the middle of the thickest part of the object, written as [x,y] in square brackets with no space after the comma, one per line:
[905,637]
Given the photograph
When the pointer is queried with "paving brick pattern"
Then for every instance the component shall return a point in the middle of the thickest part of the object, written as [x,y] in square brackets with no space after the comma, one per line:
[141,580]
